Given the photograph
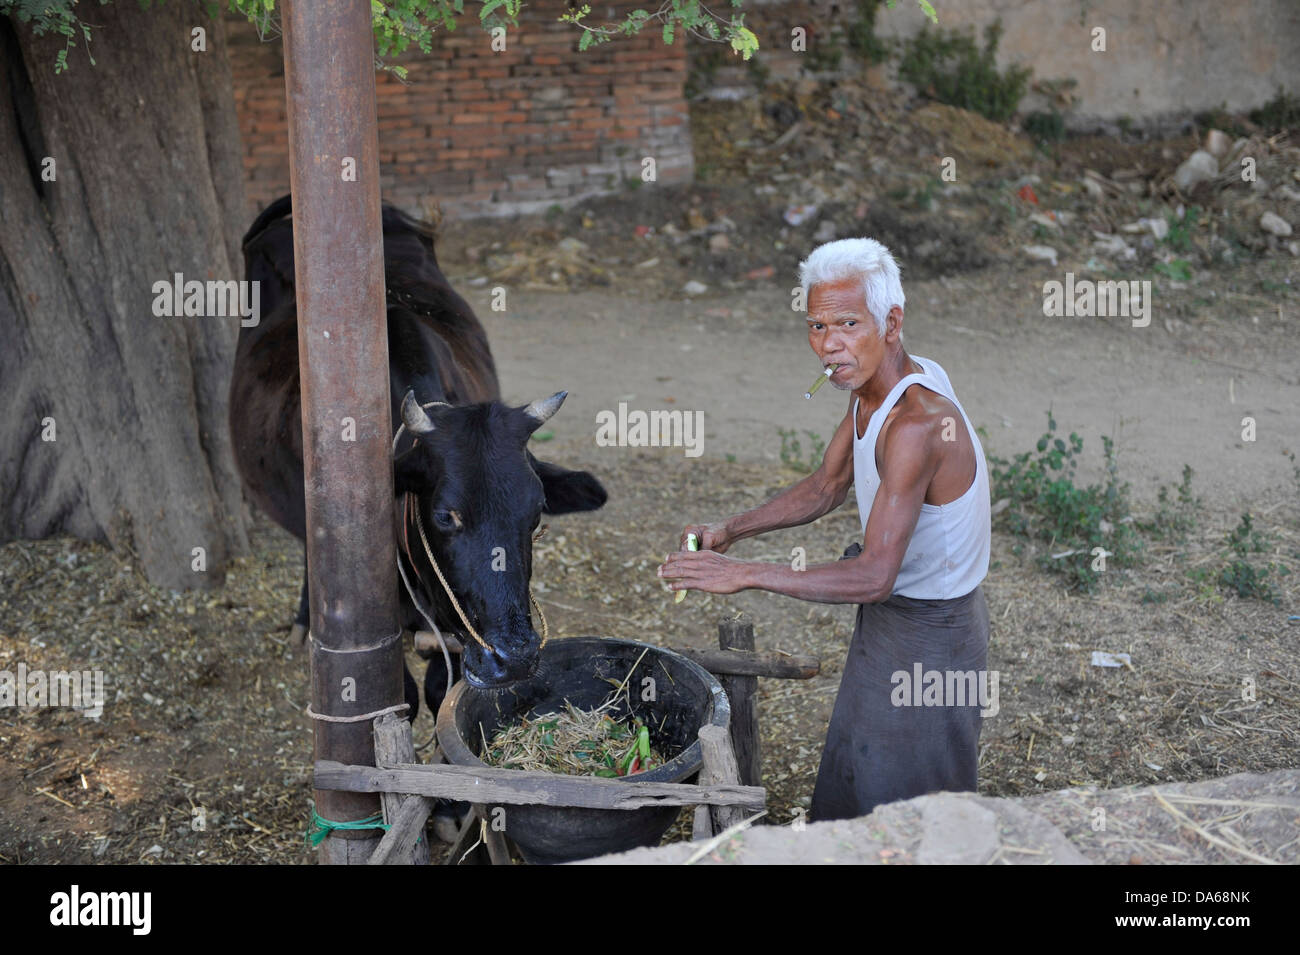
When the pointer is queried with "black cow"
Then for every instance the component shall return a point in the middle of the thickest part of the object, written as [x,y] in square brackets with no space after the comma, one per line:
[479,491]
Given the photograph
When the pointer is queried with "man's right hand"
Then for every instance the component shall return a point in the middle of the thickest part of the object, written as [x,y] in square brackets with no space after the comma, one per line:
[710,536]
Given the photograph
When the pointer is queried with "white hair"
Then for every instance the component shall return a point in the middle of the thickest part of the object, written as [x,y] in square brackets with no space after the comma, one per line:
[864,259]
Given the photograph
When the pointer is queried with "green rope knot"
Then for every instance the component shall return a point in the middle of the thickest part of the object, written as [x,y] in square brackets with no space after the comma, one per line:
[325,826]
[314,837]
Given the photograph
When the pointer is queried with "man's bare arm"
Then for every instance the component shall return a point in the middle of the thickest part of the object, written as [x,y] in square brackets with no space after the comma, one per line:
[911,458]
[816,495]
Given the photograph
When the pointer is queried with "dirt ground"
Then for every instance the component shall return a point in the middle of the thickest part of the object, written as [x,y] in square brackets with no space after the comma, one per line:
[203,749]
[742,359]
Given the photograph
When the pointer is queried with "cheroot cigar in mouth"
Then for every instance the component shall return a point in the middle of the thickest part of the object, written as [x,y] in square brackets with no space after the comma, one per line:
[821,380]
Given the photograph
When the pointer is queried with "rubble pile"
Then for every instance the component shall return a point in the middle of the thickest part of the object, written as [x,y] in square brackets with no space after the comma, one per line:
[804,162]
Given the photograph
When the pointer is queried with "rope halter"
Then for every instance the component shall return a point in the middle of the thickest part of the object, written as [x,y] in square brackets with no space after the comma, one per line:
[412,504]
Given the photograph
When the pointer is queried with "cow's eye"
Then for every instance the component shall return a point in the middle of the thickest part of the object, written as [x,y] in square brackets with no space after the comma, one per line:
[447,521]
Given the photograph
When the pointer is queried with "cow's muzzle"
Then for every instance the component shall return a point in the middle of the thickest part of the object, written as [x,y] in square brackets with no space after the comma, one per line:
[508,659]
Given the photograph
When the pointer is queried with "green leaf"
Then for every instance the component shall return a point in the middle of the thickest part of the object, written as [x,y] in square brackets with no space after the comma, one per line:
[745,42]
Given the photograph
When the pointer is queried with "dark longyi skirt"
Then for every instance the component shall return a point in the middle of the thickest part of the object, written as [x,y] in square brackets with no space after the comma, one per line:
[877,751]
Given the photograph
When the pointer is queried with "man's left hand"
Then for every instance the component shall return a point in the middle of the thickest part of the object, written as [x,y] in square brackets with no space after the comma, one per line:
[704,570]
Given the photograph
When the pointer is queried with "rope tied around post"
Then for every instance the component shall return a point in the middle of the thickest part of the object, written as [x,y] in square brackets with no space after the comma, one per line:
[324,718]
[314,837]
[411,507]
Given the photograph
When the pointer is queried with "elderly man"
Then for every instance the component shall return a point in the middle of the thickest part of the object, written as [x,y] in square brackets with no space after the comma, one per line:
[915,462]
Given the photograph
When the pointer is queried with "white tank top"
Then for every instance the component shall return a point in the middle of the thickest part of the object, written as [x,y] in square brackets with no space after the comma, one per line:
[948,554]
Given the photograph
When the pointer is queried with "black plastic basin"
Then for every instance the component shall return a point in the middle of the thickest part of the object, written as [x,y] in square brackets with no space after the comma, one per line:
[576,669]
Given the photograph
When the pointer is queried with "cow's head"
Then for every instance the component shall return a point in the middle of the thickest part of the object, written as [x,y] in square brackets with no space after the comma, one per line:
[481,496]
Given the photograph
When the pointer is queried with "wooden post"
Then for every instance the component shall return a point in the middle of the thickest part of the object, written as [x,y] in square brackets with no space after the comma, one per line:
[701,824]
[742,691]
[393,747]
[329,77]
[403,843]
[497,850]
[764,663]
[719,768]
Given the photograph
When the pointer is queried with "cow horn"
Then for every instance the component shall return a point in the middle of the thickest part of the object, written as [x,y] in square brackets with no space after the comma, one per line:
[413,416]
[543,408]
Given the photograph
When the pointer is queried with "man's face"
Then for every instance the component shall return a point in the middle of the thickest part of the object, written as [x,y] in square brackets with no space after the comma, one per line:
[842,332]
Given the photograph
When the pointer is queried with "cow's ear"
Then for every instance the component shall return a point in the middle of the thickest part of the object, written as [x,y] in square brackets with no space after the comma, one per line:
[410,473]
[568,491]
[402,478]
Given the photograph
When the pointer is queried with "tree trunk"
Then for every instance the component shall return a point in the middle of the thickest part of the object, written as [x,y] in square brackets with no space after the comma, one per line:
[115,419]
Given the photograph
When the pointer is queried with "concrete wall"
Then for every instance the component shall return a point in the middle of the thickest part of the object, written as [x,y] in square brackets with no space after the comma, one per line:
[1162,56]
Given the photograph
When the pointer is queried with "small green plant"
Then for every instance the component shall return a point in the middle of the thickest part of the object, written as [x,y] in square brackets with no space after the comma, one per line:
[1280,113]
[1245,540]
[952,68]
[1073,522]
[824,55]
[792,450]
[924,196]
[1240,575]
[1248,581]
[1046,127]
[861,34]
[704,64]
[1179,237]
[1220,118]
[1180,270]
[1174,519]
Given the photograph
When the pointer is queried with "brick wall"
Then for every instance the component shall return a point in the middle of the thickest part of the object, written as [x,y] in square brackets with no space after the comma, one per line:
[493,133]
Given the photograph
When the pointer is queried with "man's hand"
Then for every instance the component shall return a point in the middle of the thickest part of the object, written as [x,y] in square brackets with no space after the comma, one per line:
[705,570]
[712,537]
